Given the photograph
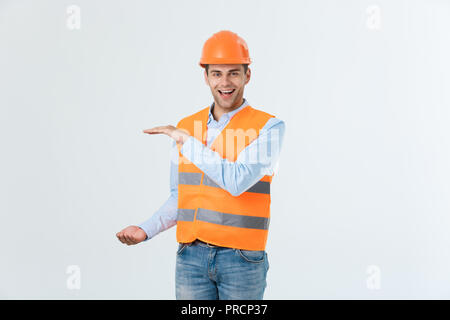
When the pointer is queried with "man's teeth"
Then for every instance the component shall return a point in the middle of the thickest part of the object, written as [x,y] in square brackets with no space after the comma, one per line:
[230,91]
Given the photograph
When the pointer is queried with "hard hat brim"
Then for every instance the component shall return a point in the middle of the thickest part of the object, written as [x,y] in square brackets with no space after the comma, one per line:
[224,61]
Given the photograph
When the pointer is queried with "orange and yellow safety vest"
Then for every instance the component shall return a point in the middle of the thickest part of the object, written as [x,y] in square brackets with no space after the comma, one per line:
[205,210]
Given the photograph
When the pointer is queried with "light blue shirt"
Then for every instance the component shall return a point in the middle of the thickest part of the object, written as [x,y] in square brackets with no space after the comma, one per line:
[235,177]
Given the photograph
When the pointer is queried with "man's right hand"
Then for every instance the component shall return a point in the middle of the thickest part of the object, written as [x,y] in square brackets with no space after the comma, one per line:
[131,235]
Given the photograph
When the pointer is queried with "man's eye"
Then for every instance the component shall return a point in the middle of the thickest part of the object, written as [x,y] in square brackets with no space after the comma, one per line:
[235,73]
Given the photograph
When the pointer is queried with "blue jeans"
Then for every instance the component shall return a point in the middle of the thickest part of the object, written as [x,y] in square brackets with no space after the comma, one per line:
[206,272]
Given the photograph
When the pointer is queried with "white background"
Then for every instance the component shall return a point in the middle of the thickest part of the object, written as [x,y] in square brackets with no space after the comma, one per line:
[363,87]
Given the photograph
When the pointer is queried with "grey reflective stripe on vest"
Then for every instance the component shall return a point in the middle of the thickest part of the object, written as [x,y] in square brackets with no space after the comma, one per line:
[260,187]
[207,181]
[185,214]
[192,178]
[233,220]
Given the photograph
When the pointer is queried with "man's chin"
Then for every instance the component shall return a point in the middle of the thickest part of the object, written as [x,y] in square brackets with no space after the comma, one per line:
[227,104]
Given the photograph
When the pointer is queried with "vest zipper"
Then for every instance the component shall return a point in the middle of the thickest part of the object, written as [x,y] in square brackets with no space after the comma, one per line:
[201,184]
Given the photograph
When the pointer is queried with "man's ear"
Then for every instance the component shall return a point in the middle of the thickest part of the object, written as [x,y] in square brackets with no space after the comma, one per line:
[206,78]
[248,75]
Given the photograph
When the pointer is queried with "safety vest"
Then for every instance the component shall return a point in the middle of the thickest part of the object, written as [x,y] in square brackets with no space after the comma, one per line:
[205,210]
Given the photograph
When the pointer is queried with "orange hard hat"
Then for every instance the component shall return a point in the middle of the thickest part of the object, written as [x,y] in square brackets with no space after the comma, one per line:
[225,47]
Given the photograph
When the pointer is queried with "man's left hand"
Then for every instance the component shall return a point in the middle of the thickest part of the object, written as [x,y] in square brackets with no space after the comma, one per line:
[178,135]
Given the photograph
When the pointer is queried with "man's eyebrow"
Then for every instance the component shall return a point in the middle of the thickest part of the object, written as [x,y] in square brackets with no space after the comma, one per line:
[232,70]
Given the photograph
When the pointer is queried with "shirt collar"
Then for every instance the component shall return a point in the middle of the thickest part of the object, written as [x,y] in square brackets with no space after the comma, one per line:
[228,115]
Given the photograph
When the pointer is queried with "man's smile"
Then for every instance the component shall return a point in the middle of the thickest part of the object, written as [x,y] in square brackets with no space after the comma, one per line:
[226,93]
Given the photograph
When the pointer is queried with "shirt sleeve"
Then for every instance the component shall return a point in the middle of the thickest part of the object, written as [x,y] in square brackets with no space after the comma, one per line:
[166,216]
[258,159]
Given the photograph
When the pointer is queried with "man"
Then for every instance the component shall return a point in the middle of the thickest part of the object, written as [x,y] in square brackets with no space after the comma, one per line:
[220,184]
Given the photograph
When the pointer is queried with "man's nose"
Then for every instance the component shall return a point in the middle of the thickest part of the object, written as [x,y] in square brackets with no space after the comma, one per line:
[225,81]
